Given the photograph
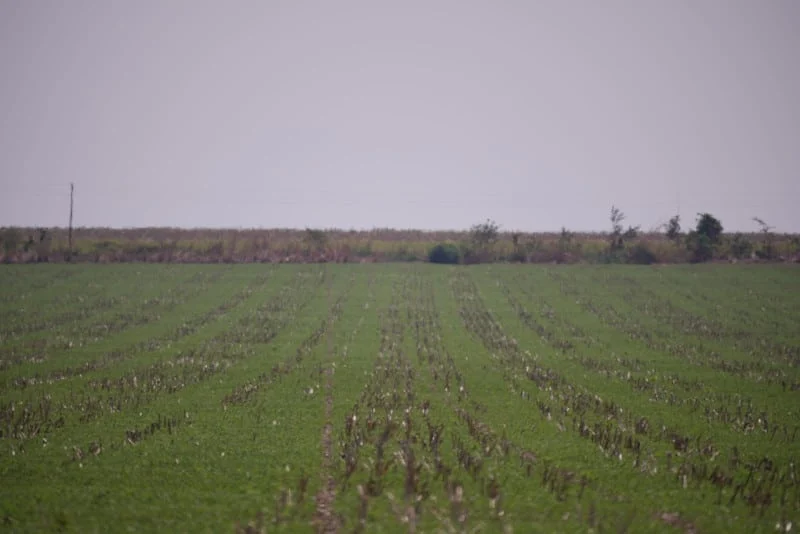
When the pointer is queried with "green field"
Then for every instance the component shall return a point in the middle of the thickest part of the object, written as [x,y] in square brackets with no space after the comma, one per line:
[399,398]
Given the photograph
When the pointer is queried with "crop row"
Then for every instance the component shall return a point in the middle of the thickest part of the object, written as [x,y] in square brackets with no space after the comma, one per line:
[107,395]
[152,344]
[737,412]
[620,431]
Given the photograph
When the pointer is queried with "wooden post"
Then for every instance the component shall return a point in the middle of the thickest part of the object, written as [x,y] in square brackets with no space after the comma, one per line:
[71,193]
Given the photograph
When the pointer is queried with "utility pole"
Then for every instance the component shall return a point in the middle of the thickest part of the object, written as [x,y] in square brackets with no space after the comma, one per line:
[71,194]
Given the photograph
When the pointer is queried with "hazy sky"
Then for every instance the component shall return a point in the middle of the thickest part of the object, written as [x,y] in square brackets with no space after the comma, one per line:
[423,114]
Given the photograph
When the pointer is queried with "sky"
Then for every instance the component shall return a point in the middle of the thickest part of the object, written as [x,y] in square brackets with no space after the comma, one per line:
[429,114]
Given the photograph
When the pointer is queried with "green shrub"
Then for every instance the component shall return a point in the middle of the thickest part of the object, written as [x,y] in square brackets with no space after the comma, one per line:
[470,255]
[674,228]
[767,249]
[444,253]
[710,227]
[10,238]
[641,254]
[517,256]
[700,247]
[740,247]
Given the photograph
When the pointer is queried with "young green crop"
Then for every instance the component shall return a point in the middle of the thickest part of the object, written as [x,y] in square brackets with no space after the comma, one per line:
[399,398]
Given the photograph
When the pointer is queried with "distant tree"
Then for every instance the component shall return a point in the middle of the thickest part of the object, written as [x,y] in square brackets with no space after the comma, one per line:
[618,234]
[701,240]
[616,227]
[767,250]
[710,227]
[674,228]
[483,237]
[763,226]
[485,234]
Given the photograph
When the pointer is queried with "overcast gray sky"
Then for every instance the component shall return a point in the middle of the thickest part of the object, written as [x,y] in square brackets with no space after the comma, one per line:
[414,114]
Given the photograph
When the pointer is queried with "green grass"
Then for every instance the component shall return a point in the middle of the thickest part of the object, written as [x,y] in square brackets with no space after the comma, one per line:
[398,398]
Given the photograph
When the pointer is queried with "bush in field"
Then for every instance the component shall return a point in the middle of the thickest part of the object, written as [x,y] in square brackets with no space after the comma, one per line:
[700,247]
[701,240]
[480,248]
[710,227]
[469,254]
[767,250]
[485,234]
[444,253]
[11,239]
[518,253]
[674,228]
[641,254]
[618,236]
[741,248]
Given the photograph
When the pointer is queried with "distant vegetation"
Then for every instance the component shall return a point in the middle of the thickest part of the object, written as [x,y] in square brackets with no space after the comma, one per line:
[445,253]
[483,243]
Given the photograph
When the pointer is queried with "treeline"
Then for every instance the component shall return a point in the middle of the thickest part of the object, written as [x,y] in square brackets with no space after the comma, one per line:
[483,243]
[705,242]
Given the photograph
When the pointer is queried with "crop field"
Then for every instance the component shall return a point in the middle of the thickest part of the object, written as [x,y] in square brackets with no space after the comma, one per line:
[399,398]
